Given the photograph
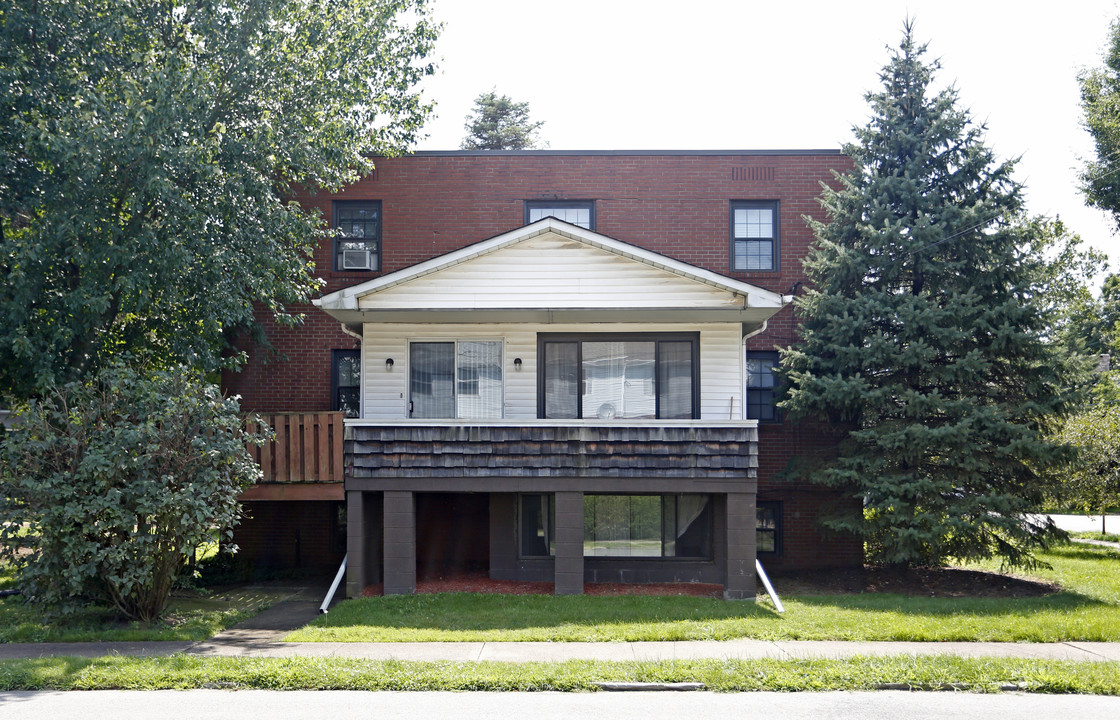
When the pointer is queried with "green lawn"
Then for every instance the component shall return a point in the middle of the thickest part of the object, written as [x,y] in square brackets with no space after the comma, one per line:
[190,616]
[185,672]
[1087,609]
[1107,537]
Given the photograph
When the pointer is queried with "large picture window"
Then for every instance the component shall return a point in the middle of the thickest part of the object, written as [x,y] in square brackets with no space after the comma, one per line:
[619,377]
[754,235]
[647,526]
[455,379]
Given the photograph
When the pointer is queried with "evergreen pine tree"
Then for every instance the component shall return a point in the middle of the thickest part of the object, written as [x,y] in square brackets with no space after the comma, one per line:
[923,335]
[499,123]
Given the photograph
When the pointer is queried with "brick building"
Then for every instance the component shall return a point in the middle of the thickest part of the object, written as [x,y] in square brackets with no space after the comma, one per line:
[555,366]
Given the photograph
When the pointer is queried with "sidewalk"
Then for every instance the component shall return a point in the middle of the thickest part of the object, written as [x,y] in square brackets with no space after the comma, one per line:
[265,643]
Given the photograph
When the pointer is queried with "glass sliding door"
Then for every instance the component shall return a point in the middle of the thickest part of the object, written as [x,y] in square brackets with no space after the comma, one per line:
[479,370]
[455,379]
[431,377]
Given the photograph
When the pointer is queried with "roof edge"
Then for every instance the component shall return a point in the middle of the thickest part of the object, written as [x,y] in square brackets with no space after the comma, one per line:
[648,153]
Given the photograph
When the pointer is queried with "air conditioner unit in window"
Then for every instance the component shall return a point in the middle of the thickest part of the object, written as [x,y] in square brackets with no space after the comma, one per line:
[357,260]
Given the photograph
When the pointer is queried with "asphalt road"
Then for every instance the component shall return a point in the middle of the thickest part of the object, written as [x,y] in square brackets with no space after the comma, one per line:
[265,705]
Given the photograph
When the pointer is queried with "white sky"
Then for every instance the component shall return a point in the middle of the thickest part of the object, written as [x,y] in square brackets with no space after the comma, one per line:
[720,74]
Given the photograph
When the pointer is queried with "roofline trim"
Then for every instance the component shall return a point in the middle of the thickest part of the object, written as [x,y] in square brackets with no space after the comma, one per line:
[831,152]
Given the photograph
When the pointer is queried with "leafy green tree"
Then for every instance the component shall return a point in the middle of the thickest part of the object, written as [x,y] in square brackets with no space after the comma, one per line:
[1092,481]
[923,335]
[111,484]
[1100,101]
[148,155]
[499,123]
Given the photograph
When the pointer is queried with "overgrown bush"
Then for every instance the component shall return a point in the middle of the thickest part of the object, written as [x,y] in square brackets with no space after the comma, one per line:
[115,482]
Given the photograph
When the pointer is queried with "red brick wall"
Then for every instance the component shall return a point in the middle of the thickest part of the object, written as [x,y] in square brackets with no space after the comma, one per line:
[678,205]
[675,204]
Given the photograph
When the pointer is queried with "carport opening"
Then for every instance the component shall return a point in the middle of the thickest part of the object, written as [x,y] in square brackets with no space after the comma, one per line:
[452,534]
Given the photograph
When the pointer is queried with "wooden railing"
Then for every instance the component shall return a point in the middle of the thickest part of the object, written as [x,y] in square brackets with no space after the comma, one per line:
[307,448]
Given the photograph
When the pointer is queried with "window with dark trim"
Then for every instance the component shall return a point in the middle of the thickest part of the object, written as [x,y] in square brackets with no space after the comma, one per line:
[623,376]
[346,373]
[537,520]
[754,235]
[576,212]
[652,526]
[768,528]
[358,245]
[762,385]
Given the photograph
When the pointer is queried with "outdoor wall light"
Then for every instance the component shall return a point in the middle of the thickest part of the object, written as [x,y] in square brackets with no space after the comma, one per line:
[517,363]
[388,364]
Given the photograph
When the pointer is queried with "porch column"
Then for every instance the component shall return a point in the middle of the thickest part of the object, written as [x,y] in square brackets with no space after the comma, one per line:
[400,543]
[568,574]
[740,583]
[356,576]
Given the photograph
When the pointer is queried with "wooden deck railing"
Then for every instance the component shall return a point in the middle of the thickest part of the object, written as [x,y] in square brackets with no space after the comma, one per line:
[307,448]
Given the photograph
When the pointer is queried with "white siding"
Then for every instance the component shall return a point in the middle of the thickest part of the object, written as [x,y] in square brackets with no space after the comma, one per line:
[550,271]
[385,393]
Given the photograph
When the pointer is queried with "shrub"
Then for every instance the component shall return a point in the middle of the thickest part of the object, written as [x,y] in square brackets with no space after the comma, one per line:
[116,481]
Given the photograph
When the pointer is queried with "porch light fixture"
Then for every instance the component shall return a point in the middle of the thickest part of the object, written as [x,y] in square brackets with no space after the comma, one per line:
[517,363]
[388,364]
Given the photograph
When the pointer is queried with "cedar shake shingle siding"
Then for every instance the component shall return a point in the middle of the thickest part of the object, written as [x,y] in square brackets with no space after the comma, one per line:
[404,451]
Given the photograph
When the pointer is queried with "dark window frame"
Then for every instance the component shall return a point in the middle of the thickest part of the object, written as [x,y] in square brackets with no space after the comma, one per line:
[775,508]
[539,204]
[762,355]
[336,261]
[549,529]
[580,338]
[775,239]
[709,539]
[336,402]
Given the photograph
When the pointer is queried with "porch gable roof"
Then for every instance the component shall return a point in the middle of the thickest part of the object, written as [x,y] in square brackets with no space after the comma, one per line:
[551,271]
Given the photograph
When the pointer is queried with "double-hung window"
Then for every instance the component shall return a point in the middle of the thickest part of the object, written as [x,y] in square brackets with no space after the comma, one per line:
[762,385]
[455,379]
[632,376]
[754,235]
[576,212]
[358,245]
[768,527]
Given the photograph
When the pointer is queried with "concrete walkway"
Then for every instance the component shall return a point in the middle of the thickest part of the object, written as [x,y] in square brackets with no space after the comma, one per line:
[235,643]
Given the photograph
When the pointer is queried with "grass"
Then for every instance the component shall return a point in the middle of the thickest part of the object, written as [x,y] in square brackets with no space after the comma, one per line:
[188,672]
[1088,609]
[1107,537]
[190,616]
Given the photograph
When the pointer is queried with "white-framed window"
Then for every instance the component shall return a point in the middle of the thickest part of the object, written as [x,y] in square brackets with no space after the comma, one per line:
[576,212]
[455,379]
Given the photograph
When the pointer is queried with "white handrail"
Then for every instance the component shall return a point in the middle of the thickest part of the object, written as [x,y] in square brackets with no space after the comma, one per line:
[334,586]
[769,587]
